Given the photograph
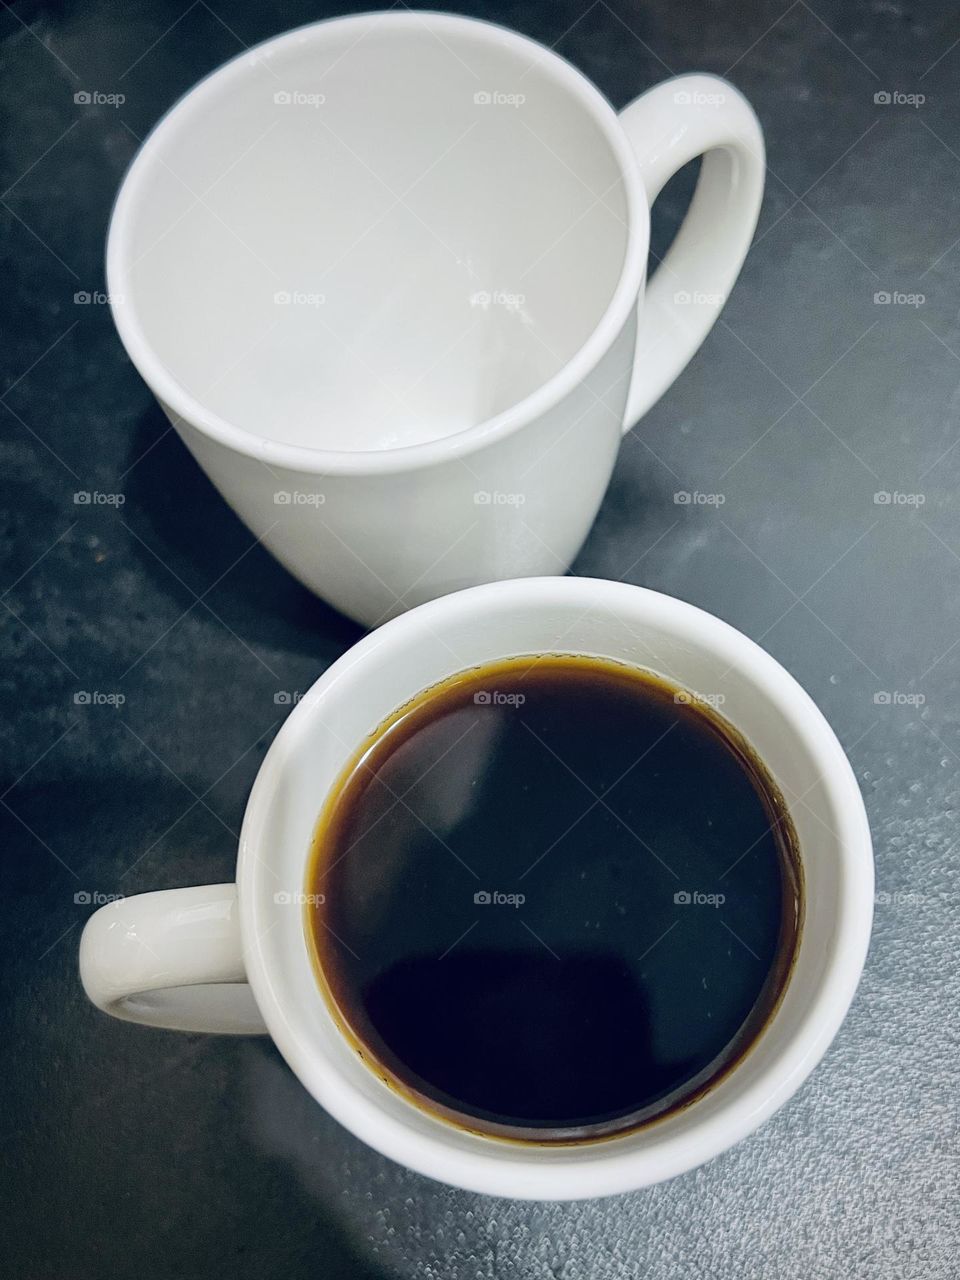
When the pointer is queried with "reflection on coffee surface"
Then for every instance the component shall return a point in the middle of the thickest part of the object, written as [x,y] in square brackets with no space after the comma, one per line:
[560,897]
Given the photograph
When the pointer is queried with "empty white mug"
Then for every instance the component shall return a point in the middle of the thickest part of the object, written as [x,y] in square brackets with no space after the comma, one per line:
[385,275]
[182,957]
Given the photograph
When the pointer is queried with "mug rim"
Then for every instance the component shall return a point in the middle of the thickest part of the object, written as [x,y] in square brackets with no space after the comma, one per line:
[187,408]
[580,1171]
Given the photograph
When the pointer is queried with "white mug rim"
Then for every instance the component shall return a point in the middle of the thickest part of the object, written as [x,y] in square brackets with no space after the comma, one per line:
[188,408]
[554,1174]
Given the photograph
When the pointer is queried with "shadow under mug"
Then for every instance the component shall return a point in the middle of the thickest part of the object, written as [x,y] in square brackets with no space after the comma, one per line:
[386,276]
[182,958]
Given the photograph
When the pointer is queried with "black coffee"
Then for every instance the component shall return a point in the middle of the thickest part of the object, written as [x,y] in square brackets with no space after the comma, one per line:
[561,897]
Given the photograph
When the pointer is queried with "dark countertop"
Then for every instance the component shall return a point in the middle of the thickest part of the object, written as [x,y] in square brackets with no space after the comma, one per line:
[142,1153]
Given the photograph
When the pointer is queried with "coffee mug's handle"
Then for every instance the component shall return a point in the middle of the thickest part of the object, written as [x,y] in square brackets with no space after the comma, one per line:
[667,127]
[171,959]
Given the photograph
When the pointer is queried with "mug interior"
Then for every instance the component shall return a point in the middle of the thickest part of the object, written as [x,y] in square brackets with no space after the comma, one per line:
[580,616]
[373,233]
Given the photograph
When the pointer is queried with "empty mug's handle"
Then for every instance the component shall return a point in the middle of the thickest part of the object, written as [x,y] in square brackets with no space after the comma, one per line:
[668,126]
[171,959]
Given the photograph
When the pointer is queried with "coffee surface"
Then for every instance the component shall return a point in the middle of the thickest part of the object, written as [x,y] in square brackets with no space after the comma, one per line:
[560,897]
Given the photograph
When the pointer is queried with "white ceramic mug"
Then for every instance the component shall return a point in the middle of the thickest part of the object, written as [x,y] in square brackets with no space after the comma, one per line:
[385,275]
[183,957]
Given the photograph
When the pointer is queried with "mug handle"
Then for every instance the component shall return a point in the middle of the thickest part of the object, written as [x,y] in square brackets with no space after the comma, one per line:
[171,959]
[667,127]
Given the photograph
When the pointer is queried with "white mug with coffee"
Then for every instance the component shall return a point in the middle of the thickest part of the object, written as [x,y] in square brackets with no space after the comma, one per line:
[237,957]
[386,276]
